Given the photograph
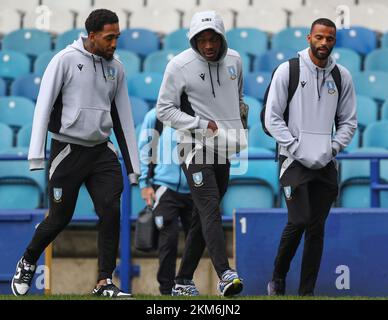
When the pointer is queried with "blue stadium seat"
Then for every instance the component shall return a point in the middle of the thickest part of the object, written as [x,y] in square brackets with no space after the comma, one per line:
[145,85]
[31,42]
[24,136]
[177,40]
[372,84]
[16,111]
[66,38]
[376,135]
[158,60]
[139,109]
[246,62]
[3,87]
[258,139]
[377,60]
[140,41]
[247,40]
[27,86]
[349,58]
[384,111]
[367,111]
[355,181]
[355,143]
[359,39]
[256,83]
[293,38]
[130,61]
[272,59]
[84,206]
[256,188]
[384,40]
[42,61]
[13,64]
[20,188]
[254,110]
[6,135]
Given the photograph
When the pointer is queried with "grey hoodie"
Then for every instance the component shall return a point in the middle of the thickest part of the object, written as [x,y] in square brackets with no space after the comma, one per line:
[81,98]
[308,136]
[195,91]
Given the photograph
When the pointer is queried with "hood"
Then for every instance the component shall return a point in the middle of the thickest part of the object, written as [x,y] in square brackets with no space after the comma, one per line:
[79,46]
[207,20]
[317,71]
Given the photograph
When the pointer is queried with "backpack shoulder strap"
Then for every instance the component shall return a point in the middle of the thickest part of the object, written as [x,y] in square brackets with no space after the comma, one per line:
[153,151]
[337,80]
[293,82]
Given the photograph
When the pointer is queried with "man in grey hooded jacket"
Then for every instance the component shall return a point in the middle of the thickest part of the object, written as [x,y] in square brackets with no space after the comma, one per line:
[307,150]
[200,96]
[83,95]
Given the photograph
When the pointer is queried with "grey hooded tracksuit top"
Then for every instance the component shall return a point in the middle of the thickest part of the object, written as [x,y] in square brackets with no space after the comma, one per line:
[308,136]
[195,91]
[82,97]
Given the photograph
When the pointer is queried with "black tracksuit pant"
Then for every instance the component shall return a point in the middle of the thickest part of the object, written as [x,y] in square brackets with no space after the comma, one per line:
[208,184]
[170,206]
[98,167]
[310,196]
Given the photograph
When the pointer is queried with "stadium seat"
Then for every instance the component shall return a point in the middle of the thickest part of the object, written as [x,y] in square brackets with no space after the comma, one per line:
[140,41]
[74,5]
[16,111]
[10,19]
[367,111]
[145,85]
[27,86]
[272,59]
[55,18]
[160,20]
[262,18]
[256,83]
[13,64]
[384,40]
[384,111]
[24,136]
[254,110]
[304,16]
[372,84]
[350,59]
[355,181]
[376,135]
[248,40]
[42,61]
[130,61]
[31,42]
[121,14]
[157,61]
[3,87]
[171,4]
[329,3]
[67,37]
[20,188]
[359,39]
[291,38]
[258,139]
[84,206]
[355,143]
[139,109]
[377,60]
[370,15]
[177,40]
[6,135]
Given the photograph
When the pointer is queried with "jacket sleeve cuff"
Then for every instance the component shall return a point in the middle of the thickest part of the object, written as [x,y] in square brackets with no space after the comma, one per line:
[293,146]
[203,124]
[336,146]
[133,178]
[36,164]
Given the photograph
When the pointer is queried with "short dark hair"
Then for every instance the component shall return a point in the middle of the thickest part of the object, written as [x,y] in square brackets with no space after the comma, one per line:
[323,21]
[98,18]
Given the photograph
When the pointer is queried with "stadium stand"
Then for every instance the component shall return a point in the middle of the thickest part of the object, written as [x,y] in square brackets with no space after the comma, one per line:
[16,111]
[3,87]
[367,111]
[254,110]
[42,61]
[256,83]
[359,39]
[6,135]
[145,85]
[371,84]
[177,40]
[350,59]
[13,64]
[249,40]
[376,135]
[258,139]
[67,37]
[291,38]
[271,59]
[157,61]
[139,41]
[376,60]
[27,86]
[130,61]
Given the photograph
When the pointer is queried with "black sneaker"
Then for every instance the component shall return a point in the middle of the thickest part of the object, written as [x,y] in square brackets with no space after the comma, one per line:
[276,287]
[21,281]
[110,290]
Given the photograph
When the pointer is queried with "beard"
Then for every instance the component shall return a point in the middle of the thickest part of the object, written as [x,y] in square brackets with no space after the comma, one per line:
[319,54]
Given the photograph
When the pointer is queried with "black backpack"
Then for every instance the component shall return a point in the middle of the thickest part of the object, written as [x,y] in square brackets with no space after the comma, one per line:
[294,72]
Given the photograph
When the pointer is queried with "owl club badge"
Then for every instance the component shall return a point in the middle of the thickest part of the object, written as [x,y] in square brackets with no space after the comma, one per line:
[287,192]
[198,179]
[232,72]
[111,73]
[330,87]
